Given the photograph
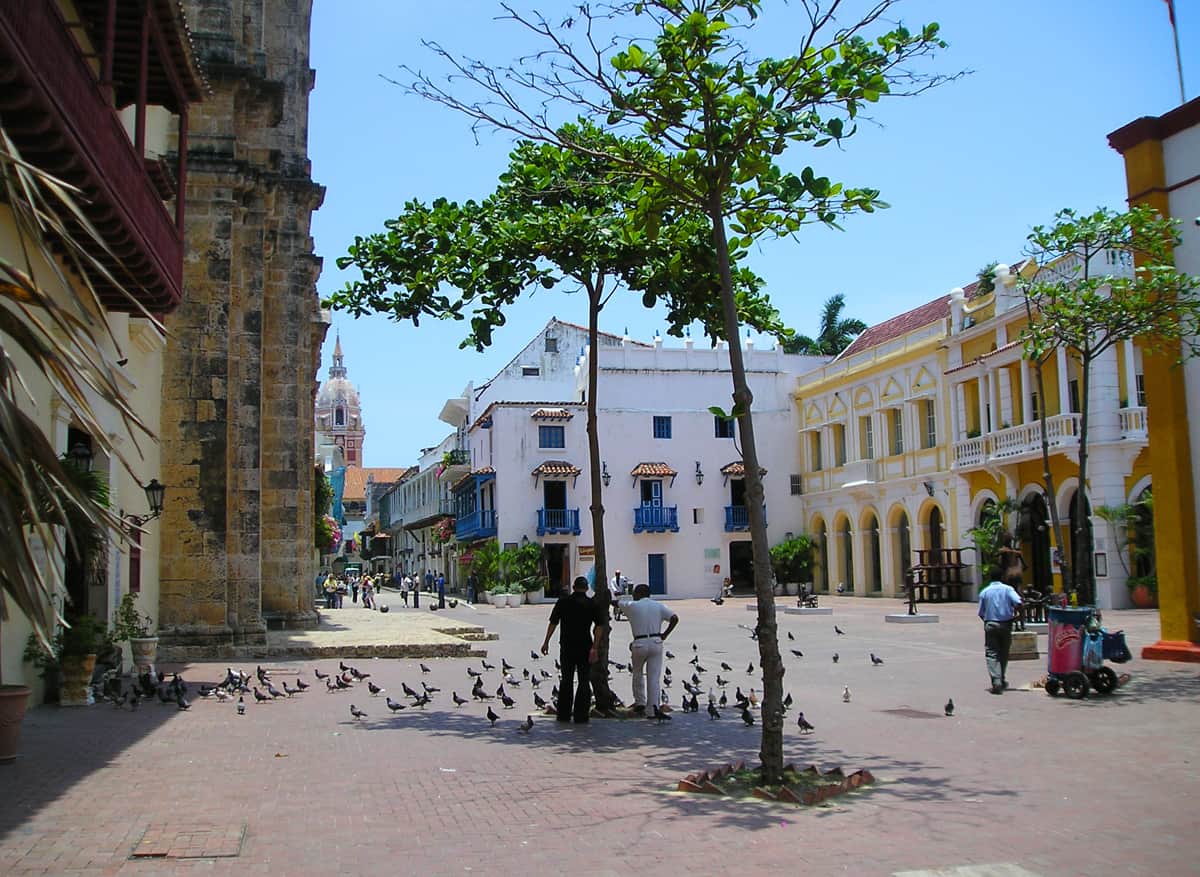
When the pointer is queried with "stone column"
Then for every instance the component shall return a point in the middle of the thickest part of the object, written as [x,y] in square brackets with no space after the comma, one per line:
[1064,382]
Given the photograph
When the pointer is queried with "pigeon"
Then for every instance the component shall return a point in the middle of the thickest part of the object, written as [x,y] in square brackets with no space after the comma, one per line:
[835,657]
[487,666]
[342,666]
[329,686]
[535,682]
[526,726]
[525,672]
[719,600]
[474,674]
[694,649]
[950,707]
[750,669]
[262,674]
[670,656]
[301,685]
[791,635]
[838,631]
[747,716]
[712,711]
[695,704]
[846,694]
[241,706]
[422,700]
[317,672]
[479,694]
[724,700]
[430,689]
[620,667]
[695,679]
[393,706]
[221,693]
[700,669]
[207,690]
[289,691]
[798,653]
[259,696]
[721,682]
[546,675]
[408,692]
[512,680]
[500,690]
[374,689]
[458,701]
[534,654]
[505,666]
[508,702]
[491,716]
[180,701]
[554,694]
[348,683]
[424,669]
[660,716]
[274,692]
[356,713]
[557,666]
[875,659]
[538,702]
[804,724]
[726,667]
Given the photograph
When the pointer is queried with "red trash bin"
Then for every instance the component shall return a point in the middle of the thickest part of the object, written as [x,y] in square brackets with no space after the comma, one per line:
[1065,650]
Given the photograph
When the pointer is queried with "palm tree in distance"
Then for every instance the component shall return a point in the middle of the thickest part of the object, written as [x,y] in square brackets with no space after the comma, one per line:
[835,335]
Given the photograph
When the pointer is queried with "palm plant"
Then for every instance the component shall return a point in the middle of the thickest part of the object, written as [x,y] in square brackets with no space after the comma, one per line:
[53,323]
[835,334]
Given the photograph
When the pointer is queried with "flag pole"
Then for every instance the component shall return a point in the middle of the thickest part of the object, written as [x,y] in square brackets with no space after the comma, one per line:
[1178,64]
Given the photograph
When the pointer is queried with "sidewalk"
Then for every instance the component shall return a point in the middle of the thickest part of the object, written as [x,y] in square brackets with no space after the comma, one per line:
[1024,783]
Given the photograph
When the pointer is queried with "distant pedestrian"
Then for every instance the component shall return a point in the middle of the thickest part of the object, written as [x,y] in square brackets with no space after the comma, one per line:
[645,619]
[617,591]
[582,627]
[354,590]
[368,593]
[441,589]
[472,587]
[998,604]
[330,587]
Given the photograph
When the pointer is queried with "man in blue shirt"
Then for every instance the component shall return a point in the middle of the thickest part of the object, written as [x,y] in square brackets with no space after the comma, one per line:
[998,603]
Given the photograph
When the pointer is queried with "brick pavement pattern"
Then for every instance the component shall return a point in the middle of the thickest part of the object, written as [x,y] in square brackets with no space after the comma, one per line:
[1020,784]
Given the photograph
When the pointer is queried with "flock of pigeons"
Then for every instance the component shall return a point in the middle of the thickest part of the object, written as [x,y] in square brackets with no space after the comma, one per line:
[238,684]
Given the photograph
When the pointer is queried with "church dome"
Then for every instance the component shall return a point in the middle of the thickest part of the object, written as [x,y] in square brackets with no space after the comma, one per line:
[337,390]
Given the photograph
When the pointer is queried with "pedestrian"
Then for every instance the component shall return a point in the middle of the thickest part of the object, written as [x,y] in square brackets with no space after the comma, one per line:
[330,588]
[340,593]
[998,604]
[582,626]
[441,588]
[405,587]
[472,587]
[354,590]
[368,592]
[617,590]
[645,620]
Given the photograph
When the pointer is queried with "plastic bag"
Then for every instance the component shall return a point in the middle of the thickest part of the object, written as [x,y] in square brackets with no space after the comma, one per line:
[1093,651]
[1115,649]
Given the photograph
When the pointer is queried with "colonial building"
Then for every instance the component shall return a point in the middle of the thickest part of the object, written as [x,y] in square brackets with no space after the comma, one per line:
[1162,169]
[339,413]
[100,95]
[241,366]
[931,418]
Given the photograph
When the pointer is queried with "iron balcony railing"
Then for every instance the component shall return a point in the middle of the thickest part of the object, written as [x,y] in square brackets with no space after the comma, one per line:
[557,521]
[656,519]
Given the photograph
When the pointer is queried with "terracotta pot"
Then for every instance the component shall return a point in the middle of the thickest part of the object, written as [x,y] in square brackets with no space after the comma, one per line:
[13,699]
[145,651]
[77,680]
[1143,597]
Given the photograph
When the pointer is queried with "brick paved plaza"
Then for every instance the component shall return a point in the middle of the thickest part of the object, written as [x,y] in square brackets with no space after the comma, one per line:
[1013,785]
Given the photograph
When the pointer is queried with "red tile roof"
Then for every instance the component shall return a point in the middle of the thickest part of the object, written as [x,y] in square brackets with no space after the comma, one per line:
[556,467]
[737,469]
[653,470]
[909,321]
[356,479]
[486,470]
[553,414]
[539,405]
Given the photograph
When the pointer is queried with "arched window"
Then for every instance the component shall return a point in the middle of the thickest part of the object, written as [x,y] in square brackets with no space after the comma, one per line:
[339,416]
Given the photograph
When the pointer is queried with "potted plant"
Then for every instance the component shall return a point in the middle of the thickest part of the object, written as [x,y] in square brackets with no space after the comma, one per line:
[135,628]
[499,594]
[1143,591]
[791,561]
[13,701]
[81,642]
[48,665]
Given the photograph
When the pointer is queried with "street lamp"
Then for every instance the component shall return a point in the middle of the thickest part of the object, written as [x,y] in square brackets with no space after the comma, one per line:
[80,455]
[155,495]
[699,473]
[604,476]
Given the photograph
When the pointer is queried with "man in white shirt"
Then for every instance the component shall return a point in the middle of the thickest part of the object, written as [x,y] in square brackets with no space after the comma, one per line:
[617,590]
[645,620]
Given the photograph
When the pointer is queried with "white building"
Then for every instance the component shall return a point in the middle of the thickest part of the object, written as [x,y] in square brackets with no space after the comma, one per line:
[673,493]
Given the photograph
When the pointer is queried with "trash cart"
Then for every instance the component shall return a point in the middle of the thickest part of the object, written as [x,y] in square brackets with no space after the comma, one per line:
[1077,650]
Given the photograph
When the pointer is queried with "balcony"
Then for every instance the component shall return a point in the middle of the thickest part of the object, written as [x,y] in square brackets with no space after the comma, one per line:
[856,472]
[556,522]
[1017,443]
[737,520]
[1133,423]
[479,524]
[61,120]
[454,464]
[656,519]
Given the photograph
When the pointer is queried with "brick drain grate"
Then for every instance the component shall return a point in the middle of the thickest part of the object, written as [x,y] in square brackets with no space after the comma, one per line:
[167,841]
[909,713]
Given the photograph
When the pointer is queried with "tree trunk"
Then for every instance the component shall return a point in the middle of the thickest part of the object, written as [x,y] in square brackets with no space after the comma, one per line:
[605,702]
[771,751]
[1085,583]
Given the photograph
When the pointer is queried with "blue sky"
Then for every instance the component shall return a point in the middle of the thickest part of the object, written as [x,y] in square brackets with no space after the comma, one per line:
[967,168]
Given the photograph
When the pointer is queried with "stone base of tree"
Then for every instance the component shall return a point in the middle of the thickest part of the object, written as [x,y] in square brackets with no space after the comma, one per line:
[905,618]
[811,786]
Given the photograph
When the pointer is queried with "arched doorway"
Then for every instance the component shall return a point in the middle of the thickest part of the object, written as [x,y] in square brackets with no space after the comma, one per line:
[846,546]
[1035,542]
[820,556]
[871,558]
[934,531]
[1079,522]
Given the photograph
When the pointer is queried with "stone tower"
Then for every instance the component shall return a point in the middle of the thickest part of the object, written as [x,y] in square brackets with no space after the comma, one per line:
[243,352]
[339,413]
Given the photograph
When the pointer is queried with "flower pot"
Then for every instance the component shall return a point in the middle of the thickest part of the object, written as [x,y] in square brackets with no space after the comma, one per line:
[145,651]
[793,588]
[516,599]
[1143,598]
[77,680]
[499,600]
[13,699]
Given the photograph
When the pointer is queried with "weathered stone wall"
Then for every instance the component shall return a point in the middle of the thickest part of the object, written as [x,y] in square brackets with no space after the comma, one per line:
[241,360]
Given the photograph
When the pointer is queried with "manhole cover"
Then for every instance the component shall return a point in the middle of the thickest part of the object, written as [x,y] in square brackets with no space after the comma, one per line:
[908,713]
[165,841]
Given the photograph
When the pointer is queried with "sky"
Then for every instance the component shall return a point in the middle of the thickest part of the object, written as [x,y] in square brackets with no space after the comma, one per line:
[968,169]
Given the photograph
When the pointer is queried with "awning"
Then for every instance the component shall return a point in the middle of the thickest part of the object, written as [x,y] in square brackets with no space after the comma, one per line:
[556,467]
[737,469]
[552,414]
[653,470]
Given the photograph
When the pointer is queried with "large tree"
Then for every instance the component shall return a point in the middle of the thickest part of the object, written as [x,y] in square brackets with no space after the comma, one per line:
[1075,301]
[559,218]
[722,118]
[835,333]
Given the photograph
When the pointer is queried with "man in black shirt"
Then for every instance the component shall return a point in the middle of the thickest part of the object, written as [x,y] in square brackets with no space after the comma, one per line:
[582,627]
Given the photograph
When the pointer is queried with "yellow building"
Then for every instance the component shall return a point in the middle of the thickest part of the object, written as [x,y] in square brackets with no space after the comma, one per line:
[930,417]
[1162,169]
